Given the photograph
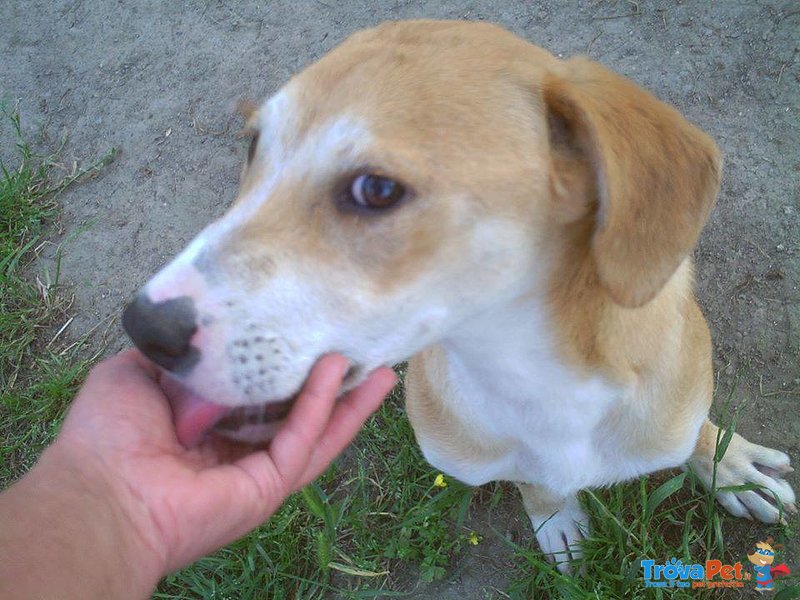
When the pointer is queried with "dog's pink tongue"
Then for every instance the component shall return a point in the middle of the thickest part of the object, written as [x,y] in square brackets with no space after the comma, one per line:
[193,415]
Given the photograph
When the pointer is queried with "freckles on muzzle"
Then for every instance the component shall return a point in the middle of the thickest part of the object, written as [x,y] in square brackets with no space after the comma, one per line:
[256,360]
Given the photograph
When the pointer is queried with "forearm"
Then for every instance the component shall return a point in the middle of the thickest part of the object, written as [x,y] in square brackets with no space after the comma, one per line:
[63,537]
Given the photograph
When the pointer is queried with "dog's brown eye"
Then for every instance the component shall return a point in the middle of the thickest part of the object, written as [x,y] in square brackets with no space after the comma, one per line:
[374,191]
[251,151]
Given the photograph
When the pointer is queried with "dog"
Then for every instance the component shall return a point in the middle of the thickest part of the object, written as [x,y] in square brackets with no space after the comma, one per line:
[518,226]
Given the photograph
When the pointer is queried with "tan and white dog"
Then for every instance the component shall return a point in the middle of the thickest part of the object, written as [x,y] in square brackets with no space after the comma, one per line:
[518,225]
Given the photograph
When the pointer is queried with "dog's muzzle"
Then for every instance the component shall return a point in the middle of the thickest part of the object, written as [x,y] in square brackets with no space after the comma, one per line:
[163,332]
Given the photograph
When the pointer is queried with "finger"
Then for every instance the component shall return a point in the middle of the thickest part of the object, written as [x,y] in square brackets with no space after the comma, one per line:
[127,370]
[291,449]
[120,391]
[348,416]
[148,366]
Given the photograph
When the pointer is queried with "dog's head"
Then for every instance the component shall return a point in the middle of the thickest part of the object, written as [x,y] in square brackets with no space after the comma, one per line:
[413,178]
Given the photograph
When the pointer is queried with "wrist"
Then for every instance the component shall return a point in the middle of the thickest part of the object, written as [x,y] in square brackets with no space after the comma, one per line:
[77,530]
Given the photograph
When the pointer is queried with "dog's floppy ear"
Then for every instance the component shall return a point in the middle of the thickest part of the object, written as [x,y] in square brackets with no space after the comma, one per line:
[656,176]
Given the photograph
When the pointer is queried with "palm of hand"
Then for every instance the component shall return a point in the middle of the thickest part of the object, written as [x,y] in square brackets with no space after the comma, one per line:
[185,503]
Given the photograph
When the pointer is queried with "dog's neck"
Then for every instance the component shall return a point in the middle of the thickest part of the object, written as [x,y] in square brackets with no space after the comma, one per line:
[511,347]
[504,371]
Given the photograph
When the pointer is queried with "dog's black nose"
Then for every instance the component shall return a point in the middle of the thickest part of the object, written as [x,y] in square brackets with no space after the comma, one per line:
[162,331]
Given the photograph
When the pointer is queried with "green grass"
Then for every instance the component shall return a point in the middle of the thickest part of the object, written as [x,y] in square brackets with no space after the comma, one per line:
[37,380]
[376,524]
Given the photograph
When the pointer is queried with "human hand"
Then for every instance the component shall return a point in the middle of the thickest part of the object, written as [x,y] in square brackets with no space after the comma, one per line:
[185,503]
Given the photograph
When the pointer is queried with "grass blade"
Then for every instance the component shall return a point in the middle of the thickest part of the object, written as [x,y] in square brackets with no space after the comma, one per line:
[664,491]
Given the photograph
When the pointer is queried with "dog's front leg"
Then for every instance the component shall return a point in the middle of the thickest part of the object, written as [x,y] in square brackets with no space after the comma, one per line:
[558,521]
[743,463]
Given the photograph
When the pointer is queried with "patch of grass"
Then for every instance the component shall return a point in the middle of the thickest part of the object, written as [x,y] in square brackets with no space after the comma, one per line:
[628,525]
[36,381]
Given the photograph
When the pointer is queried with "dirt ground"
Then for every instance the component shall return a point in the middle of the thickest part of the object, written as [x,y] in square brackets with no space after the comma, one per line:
[159,81]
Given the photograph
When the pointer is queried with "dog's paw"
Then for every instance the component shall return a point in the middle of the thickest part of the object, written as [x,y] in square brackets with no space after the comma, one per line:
[560,534]
[748,463]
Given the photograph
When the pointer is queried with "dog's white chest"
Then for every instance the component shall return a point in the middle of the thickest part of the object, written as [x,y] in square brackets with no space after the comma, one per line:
[550,420]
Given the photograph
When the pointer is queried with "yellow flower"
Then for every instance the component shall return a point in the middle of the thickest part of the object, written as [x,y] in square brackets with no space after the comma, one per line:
[474,539]
[439,481]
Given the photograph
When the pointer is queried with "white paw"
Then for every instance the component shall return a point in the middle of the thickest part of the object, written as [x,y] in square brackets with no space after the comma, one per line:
[748,463]
[559,535]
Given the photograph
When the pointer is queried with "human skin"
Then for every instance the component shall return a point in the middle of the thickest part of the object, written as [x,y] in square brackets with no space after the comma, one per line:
[115,503]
